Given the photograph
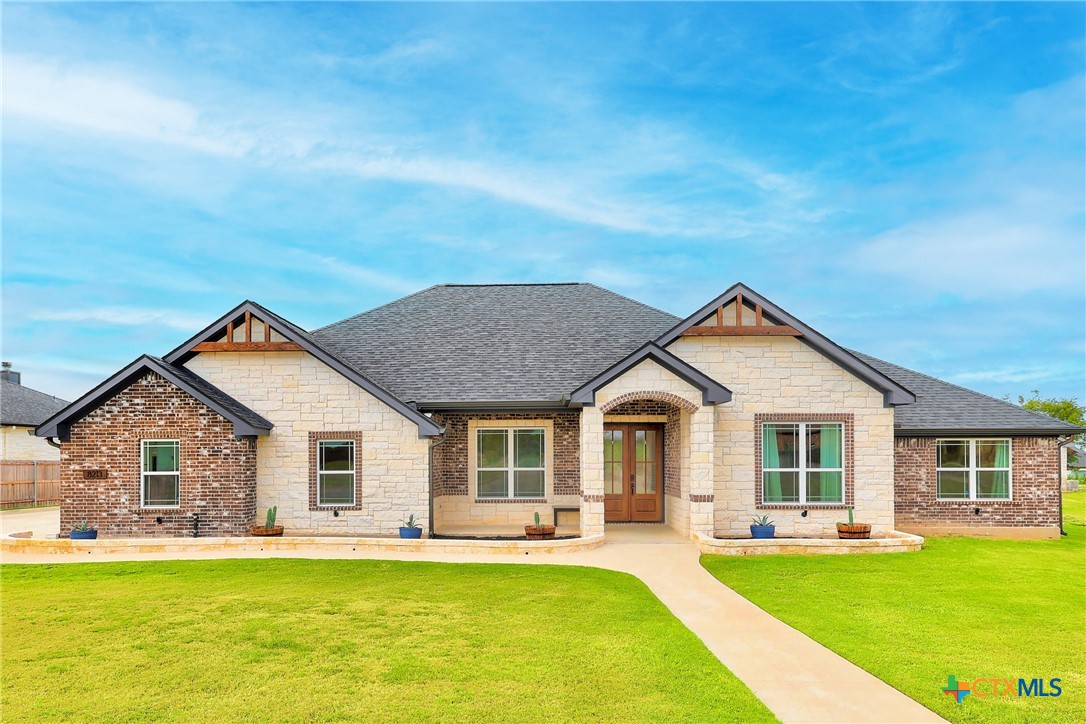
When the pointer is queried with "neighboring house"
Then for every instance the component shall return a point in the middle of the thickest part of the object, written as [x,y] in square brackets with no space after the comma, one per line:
[21,410]
[473,407]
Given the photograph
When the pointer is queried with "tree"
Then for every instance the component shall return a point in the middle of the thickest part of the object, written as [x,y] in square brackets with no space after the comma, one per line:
[1066,409]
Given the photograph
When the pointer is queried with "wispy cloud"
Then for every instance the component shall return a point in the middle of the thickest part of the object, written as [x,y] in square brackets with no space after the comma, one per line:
[121,317]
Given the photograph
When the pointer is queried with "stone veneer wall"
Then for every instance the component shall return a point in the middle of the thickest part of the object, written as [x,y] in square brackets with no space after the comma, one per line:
[454,506]
[1035,491]
[218,470]
[18,443]
[783,375]
[299,394]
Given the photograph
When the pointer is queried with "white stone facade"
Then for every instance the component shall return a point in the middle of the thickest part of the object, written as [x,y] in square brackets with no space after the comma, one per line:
[783,375]
[299,394]
[18,443]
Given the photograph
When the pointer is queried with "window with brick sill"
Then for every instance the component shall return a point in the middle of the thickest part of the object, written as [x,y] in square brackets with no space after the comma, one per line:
[973,470]
[160,473]
[510,463]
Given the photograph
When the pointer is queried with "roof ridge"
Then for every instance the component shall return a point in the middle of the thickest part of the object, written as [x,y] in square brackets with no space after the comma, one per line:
[374,309]
[925,375]
[518,284]
[631,299]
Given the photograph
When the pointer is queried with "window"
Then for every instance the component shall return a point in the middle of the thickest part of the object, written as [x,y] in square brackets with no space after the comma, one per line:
[803,462]
[973,470]
[510,462]
[160,477]
[335,472]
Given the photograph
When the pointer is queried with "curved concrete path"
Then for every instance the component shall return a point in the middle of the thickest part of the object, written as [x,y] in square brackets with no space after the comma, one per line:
[798,679]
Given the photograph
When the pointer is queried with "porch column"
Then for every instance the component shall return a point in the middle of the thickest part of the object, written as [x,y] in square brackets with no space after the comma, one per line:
[591,471]
[699,485]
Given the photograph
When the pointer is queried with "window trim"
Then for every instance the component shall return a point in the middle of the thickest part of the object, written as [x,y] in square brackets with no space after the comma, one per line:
[353,471]
[802,470]
[972,469]
[475,425]
[144,473]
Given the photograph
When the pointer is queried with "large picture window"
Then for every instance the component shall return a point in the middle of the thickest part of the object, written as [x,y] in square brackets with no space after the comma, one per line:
[973,470]
[510,462]
[335,472]
[160,476]
[803,462]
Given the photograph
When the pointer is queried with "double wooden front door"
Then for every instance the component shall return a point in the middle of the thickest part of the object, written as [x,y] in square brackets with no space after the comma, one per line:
[633,472]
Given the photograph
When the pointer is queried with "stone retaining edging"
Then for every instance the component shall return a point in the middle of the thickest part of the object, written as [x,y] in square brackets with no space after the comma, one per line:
[14,544]
[893,541]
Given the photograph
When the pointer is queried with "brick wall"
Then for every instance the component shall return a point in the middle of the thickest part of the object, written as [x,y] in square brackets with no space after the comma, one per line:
[218,470]
[672,437]
[451,456]
[1035,488]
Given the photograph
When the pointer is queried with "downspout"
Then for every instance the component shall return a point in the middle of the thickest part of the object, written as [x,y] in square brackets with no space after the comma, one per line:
[433,445]
[1060,444]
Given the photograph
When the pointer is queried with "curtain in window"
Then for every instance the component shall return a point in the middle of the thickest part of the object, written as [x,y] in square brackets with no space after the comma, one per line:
[1001,484]
[829,454]
[771,459]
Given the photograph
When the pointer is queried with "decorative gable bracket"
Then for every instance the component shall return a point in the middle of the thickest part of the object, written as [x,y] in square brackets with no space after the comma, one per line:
[739,329]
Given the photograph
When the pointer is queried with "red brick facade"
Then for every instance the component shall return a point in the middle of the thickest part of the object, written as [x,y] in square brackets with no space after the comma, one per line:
[672,435]
[218,470]
[451,456]
[1035,488]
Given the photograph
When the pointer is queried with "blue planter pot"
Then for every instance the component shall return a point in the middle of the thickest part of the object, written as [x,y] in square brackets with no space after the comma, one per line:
[83,534]
[762,531]
[410,532]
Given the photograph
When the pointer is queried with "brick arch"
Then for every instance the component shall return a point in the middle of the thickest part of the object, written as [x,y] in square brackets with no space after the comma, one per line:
[666,397]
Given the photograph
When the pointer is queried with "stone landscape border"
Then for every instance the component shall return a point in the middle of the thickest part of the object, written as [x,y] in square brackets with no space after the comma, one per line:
[17,543]
[893,541]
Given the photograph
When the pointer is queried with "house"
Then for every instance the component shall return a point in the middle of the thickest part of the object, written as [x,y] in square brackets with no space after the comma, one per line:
[475,406]
[21,410]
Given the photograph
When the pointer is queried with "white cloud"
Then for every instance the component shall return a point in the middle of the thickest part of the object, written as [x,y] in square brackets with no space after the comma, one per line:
[122,317]
[101,102]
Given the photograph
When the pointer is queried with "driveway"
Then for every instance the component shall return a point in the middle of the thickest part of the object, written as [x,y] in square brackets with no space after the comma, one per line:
[44,522]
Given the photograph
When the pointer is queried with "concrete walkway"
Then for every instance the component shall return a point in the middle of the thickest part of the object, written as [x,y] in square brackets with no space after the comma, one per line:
[797,678]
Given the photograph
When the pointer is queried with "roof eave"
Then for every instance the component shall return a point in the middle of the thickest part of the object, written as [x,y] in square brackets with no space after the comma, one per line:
[712,392]
[987,432]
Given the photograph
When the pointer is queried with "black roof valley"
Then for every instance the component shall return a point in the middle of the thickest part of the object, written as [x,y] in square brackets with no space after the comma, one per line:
[24,406]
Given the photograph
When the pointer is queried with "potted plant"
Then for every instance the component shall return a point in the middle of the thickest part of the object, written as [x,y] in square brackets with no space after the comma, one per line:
[539,531]
[762,527]
[269,528]
[83,531]
[411,528]
[853,530]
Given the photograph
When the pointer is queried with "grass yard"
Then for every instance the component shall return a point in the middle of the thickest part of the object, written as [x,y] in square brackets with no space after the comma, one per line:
[351,640]
[969,607]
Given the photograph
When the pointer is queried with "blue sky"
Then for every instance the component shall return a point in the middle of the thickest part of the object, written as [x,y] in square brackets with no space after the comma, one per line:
[908,179]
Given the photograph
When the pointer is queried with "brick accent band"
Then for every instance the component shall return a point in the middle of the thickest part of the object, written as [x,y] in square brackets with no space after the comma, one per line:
[667,397]
[695,498]
[314,438]
[591,498]
[510,500]
[846,418]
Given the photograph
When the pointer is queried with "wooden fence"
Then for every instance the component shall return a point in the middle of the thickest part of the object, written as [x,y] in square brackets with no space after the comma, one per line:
[29,483]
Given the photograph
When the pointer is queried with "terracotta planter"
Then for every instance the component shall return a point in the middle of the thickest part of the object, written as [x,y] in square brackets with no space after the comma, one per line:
[856,530]
[543,532]
[260,530]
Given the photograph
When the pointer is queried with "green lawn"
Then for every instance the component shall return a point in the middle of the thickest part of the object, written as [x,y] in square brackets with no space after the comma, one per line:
[969,607]
[351,640]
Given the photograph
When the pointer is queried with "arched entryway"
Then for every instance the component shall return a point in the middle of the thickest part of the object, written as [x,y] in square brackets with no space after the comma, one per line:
[642,456]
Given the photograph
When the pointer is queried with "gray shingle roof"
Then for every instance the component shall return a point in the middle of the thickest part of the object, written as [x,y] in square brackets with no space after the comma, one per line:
[493,343]
[24,406]
[943,408]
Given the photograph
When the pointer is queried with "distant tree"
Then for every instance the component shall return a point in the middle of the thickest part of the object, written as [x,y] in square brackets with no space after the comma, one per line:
[1066,409]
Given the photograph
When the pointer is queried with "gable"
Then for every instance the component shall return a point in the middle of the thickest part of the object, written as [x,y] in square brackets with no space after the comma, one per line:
[250,328]
[719,318]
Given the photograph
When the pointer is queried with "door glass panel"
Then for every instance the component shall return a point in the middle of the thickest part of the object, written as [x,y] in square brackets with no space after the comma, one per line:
[613,478]
[645,467]
[612,465]
[612,446]
[640,445]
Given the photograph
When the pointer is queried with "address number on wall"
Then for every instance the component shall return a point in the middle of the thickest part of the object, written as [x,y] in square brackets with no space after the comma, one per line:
[95,474]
